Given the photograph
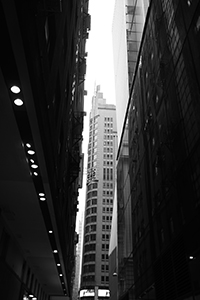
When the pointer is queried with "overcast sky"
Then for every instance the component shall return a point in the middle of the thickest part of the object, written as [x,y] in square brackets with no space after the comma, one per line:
[99,68]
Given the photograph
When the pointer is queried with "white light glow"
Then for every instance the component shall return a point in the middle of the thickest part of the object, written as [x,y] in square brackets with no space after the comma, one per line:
[50,231]
[18,102]
[42,198]
[34,166]
[41,194]
[31,160]
[58,265]
[87,293]
[15,89]
[31,152]
[35,173]
[55,251]
[61,275]
[28,145]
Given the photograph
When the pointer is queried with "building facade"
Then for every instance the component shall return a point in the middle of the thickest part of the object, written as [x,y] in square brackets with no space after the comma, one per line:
[163,138]
[77,279]
[99,198]
[132,14]
[42,69]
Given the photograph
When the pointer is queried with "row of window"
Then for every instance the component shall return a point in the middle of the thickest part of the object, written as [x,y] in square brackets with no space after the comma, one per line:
[89,257]
[108,156]
[107,174]
[104,268]
[107,209]
[106,227]
[90,228]
[91,202]
[92,210]
[107,201]
[105,247]
[107,218]
[108,163]
[107,150]
[108,131]
[105,236]
[89,268]
[108,185]
[90,247]
[89,278]
[108,137]
[91,219]
[108,193]
[92,186]
[108,125]
[108,119]
[108,143]
[91,194]
[104,279]
[93,151]
[90,237]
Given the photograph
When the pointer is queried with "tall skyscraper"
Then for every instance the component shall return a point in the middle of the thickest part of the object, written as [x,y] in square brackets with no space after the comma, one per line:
[162,134]
[128,25]
[99,197]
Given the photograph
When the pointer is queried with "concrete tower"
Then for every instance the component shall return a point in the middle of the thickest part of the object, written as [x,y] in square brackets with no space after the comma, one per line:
[99,197]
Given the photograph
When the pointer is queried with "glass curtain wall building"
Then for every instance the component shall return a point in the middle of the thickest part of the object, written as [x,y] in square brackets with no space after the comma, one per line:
[99,198]
[132,16]
[163,140]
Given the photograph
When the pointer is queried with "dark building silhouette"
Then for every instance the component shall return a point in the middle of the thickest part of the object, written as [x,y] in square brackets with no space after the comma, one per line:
[42,68]
[162,134]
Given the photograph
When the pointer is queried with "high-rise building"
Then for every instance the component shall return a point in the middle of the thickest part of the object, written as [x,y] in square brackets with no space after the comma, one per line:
[42,69]
[162,134]
[99,197]
[128,25]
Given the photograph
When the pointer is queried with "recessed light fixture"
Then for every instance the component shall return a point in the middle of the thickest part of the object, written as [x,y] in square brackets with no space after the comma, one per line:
[35,173]
[191,257]
[31,152]
[61,275]
[34,166]
[18,102]
[50,231]
[55,251]
[58,265]
[15,89]
[31,160]
[28,145]
[42,198]
[41,194]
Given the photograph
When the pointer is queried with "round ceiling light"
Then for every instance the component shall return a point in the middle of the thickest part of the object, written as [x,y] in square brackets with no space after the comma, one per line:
[18,102]
[31,152]
[15,89]
[34,166]
[42,198]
